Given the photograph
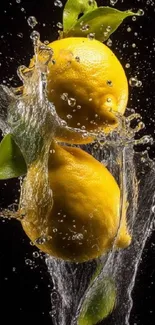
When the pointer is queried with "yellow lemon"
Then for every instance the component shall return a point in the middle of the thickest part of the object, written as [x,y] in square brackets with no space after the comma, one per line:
[84,219]
[87,84]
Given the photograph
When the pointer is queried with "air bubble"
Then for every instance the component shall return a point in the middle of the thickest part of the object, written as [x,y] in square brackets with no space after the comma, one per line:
[58,3]
[18,1]
[32,22]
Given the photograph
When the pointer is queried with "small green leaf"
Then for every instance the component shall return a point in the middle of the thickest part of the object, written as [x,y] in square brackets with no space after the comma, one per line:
[99,303]
[101,22]
[12,163]
[73,9]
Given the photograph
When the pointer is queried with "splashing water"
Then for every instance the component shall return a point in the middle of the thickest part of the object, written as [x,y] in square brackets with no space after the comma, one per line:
[72,283]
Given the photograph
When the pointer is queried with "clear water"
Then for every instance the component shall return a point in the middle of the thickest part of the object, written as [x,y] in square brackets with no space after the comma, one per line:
[135,173]
[71,281]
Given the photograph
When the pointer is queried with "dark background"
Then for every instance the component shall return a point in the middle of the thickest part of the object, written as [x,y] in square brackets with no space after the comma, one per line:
[24,282]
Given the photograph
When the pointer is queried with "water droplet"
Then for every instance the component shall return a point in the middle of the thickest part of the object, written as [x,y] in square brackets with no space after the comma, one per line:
[91,2]
[109,83]
[108,29]
[134,82]
[139,83]
[69,117]
[77,58]
[64,96]
[59,25]
[31,243]
[55,230]
[46,42]
[127,65]
[113,2]
[54,296]
[20,35]
[129,29]
[85,27]
[35,36]
[77,236]
[71,102]
[41,240]
[91,36]
[32,22]
[58,3]
[134,18]
[109,42]
[18,1]
[153,209]
[109,100]
[140,12]
[52,151]
[105,34]
[35,254]
[28,262]
[133,45]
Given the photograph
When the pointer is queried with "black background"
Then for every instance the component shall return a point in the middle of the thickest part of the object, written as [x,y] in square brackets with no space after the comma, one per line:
[24,282]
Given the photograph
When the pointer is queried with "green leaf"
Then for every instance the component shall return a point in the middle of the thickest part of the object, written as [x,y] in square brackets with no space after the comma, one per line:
[99,303]
[12,163]
[101,22]
[73,9]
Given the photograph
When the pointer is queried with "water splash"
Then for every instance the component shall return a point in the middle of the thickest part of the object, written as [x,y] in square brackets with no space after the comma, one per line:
[133,171]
